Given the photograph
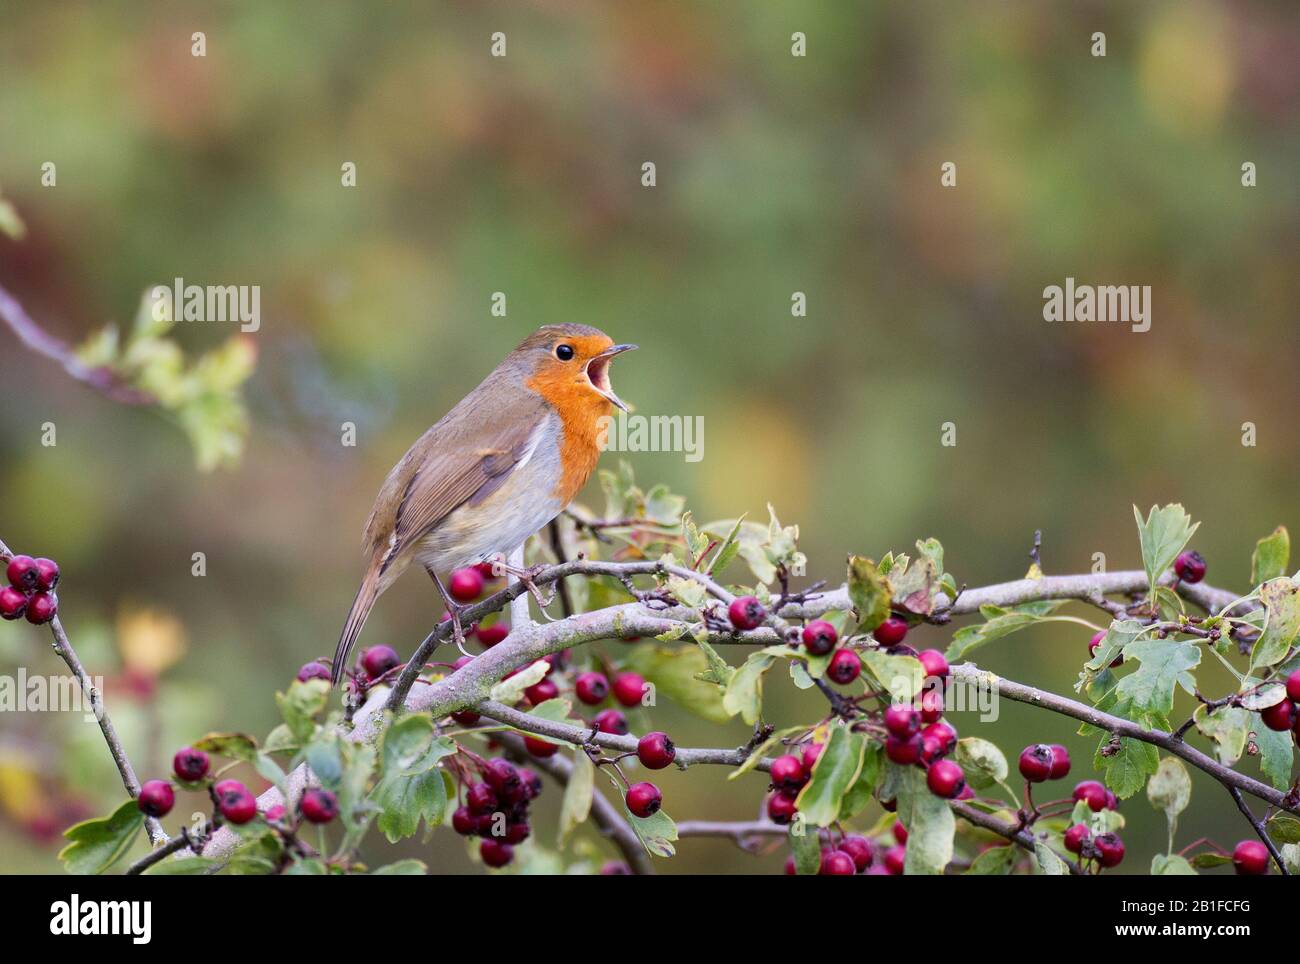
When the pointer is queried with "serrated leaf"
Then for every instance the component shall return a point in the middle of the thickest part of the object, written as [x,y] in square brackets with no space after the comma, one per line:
[404,742]
[982,761]
[575,806]
[1165,663]
[656,832]
[1163,535]
[929,821]
[1046,862]
[744,694]
[1281,600]
[727,550]
[1284,828]
[1165,865]
[1271,556]
[869,591]
[406,800]
[1119,634]
[1262,697]
[96,844]
[999,623]
[510,691]
[915,589]
[836,770]
[300,704]
[902,676]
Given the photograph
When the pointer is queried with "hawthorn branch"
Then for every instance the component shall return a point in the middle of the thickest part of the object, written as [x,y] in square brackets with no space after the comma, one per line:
[182,841]
[1124,728]
[63,647]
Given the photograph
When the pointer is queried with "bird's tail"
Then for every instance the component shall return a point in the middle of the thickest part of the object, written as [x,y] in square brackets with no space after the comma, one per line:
[366,596]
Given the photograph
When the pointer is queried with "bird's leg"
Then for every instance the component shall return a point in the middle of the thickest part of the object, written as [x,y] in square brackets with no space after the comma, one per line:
[526,576]
[454,608]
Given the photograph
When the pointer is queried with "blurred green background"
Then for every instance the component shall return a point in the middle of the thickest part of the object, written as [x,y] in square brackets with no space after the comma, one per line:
[521,174]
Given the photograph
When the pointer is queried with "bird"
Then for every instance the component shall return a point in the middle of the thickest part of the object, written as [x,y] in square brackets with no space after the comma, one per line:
[506,460]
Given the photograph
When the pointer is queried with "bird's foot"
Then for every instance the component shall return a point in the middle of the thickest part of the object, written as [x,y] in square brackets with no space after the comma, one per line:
[527,577]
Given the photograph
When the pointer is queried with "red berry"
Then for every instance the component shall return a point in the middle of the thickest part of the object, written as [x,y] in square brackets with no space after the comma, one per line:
[464,822]
[655,750]
[1060,761]
[41,608]
[517,832]
[895,860]
[465,585]
[611,721]
[1111,802]
[945,779]
[844,667]
[378,660]
[860,849]
[899,832]
[931,748]
[1076,837]
[541,691]
[156,798]
[234,801]
[318,805]
[503,777]
[540,748]
[819,637]
[1095,642]
[481,798]
[931,705]
[891,631]
[13,603]
[47,574]
[1293,686]
[495,853]
[489,636]
[933,662]
[629,688]
[746,612]
[190,764]
[1250,857]
[644,799]
[901,720]
[23,573]
[781,807]
[531,783]
[1190,566]
[484,569]
[1036,762]
[465,717]
[313,670]
[591,688]
[1279,716]
[1092,793]
[904,752]
[811,752]
[943,733]
[1110,849]
[787,772]
[836,863]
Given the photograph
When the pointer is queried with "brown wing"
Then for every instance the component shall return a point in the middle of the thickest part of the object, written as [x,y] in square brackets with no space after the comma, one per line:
[464,458]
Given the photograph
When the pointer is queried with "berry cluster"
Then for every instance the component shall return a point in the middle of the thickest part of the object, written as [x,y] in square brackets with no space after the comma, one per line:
[496,809]
[1286,714]
[30,591]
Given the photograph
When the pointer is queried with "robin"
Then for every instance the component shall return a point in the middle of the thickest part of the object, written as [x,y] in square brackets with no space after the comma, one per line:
[498,467]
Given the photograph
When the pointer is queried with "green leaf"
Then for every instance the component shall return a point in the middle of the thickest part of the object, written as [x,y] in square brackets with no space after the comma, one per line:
[982,761]
[1046,861]
[656,832]
[1227,726]
[869,592]
[300,704]
[405,741]
[836,770]
[406,800]
[762,750]
[1119,634]
[183,867]
[1209,859]
[1164,865]
[325,760]
[864,787]
[1170,787]
[994,862]
[1291,857]
[916,587]
[744,693]
[902,676]
[807,850]
[1281,599]
[687,675]
[1276,754]
[1271,556]
[511,691]
[258,855]
[929,821]
[234,746]
[1165,663]
[1126,770]
[576,803]
[306,867]
[1163,535]
[727,551]
[409,867]
[1284,828]
[99,843]
[999,622]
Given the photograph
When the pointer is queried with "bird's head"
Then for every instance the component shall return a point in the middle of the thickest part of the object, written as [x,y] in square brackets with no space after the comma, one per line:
[570,366]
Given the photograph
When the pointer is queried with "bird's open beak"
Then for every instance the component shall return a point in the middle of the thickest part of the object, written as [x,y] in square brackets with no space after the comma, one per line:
[598,373]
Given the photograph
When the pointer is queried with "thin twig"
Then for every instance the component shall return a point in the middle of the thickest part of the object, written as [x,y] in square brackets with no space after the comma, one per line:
[1260,829]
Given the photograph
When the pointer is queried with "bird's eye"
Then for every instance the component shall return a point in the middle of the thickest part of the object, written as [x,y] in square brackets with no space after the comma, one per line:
[564,352]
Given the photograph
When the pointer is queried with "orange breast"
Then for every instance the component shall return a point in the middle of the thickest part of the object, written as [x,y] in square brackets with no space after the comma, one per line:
[580,410]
